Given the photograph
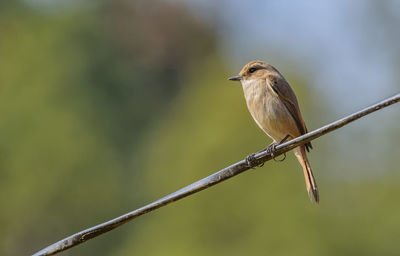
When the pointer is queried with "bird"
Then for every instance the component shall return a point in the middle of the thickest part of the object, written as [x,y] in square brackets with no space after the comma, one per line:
[274,107]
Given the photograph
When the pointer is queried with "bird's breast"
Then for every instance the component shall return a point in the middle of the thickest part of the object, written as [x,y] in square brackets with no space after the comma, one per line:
[268,111]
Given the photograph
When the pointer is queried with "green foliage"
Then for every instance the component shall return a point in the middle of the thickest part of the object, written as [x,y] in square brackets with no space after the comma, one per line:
[55,164]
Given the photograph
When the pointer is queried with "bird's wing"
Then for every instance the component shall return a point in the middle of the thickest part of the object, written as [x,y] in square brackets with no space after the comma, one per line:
[282,88]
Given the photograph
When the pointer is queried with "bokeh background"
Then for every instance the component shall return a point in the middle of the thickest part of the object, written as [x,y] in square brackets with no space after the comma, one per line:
[108,105]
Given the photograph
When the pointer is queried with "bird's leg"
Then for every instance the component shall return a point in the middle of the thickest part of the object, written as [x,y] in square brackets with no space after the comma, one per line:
[270,149]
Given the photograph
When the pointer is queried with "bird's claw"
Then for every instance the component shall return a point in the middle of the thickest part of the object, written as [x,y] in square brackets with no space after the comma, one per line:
[279,160]
[250,159]
[271,149]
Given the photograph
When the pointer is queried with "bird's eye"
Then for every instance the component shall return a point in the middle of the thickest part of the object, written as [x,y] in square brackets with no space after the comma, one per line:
[252,70]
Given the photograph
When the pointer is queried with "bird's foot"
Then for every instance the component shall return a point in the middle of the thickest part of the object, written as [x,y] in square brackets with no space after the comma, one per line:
[272,148]
[269,149]
[250,159]
[279,160]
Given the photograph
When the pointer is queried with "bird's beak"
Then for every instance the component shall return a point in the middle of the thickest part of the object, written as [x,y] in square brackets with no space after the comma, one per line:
[235,78]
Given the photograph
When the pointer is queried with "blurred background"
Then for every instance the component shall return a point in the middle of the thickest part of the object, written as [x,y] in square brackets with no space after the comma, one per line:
[108,105]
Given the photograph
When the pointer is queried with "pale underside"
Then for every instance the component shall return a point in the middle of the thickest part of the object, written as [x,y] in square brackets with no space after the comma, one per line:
[268,111]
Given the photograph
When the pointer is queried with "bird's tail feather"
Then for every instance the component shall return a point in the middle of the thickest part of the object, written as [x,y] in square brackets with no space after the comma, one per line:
[311,185]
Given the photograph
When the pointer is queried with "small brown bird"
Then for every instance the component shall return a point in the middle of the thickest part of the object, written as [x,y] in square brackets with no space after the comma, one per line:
[273,105]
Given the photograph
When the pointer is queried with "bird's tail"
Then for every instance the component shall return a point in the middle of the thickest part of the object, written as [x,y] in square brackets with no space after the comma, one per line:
[311,185]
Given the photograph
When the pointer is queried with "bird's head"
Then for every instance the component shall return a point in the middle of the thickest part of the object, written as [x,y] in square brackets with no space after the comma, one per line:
[254,70]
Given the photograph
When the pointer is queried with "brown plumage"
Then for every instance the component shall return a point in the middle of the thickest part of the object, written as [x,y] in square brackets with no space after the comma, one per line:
[273,105]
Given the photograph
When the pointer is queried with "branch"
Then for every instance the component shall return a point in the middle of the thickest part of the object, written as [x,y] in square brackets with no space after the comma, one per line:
[209,181]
